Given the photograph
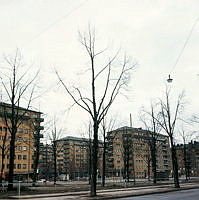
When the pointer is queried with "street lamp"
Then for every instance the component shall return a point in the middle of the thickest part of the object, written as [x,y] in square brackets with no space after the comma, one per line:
[169,80]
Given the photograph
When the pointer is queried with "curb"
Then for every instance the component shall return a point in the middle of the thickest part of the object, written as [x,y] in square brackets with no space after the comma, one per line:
[84,195]
[143,194]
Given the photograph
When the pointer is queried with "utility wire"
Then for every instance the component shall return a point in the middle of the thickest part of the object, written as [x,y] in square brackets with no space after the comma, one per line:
[55,22]
[185,44]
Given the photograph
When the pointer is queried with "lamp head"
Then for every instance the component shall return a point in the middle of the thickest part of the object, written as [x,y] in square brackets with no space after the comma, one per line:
[169,80]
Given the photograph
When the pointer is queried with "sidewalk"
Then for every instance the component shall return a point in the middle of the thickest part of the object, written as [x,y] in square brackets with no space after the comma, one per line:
[114,193]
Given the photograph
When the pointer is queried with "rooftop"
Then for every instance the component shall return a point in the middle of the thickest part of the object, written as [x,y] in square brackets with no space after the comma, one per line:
[137,130]
[75,139]
[3,104]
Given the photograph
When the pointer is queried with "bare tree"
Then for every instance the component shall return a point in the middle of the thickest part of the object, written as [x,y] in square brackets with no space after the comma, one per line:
[88,140]
[146,157]
[46,166]
[105,128]
[3,147]
[168,122]
[89,150]
[127,152]
[19,88]
[98,105]
[3,152]
[186,137]
[151,121]
[37,142]
[57,145]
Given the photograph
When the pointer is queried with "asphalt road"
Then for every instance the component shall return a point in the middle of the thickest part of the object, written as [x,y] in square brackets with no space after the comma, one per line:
[180,195]
[192,194]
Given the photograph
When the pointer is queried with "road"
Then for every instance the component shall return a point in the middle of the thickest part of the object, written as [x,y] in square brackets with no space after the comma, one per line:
[184,194]
[192,194]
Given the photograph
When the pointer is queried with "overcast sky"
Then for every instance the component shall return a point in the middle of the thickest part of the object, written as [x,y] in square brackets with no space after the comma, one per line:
[152,32]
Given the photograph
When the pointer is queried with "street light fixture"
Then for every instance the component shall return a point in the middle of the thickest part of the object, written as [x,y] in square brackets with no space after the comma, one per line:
[169,80]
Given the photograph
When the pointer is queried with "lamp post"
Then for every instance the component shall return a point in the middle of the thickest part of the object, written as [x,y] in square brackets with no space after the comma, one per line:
[169,80]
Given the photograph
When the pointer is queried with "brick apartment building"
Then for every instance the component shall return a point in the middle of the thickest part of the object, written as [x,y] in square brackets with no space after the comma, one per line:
[139,156]
[73,157]
[188,154]
[24,144]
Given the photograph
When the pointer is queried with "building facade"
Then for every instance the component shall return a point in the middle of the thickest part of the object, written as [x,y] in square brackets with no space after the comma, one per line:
[129,147]
[188,157]
[28,124]
[73,158]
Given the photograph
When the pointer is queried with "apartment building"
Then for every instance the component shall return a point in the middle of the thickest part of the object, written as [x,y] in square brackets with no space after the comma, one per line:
[46,162]
[131,145]
[29,123]
[188,156]
[73,158]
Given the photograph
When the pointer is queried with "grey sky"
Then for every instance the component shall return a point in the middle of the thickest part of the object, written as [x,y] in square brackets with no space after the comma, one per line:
[152,32]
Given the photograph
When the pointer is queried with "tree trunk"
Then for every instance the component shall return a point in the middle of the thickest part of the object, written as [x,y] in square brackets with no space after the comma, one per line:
[175,165]
[89,162]
[154,168]
[11,160]
[2,164]
[94,161]
[36,159]
[149,169]
[185,162]
[104,163]
[55,164]
[127,167]
[46,164]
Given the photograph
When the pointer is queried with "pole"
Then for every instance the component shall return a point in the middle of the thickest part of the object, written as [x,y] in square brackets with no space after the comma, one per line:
[130,121]
[19,192]
[120,173]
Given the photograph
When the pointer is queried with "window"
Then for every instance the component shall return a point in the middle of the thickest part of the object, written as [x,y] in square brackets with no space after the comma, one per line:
[25,131]
[19,130]
[24,148]
[24,166]
[19,148]
[34,116]
[24,157]
[4,129]
[18,166]
[19,157]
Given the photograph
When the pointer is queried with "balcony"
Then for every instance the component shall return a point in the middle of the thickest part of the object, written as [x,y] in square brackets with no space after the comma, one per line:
[41,144]
[39,128]
[66,143]
[39,119]
[66,152]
